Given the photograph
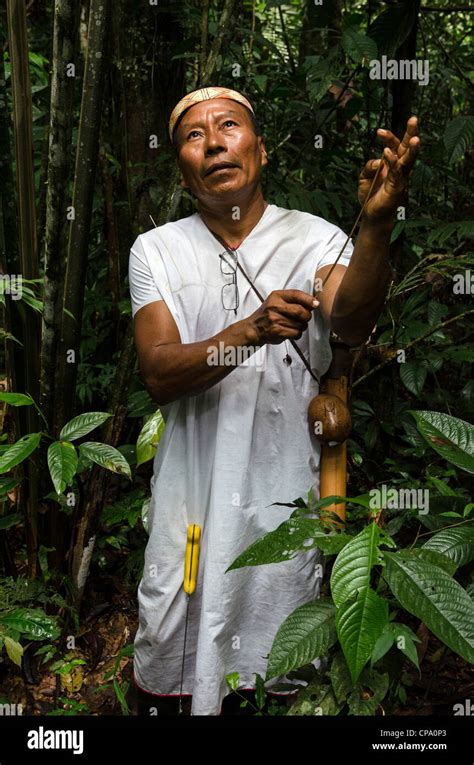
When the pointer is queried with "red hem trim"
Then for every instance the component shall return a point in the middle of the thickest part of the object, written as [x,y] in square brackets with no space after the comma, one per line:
[177,695]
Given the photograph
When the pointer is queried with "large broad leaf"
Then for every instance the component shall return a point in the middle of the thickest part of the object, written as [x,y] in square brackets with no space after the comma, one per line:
[352,567]
[19,451]
[451,437]
[16,399]
[458,137]
[428,592]
[62,463]
[307,633]
[149,437]
[106,456]
[359,626]
[457,543]
[291,536]
[34,624]
[82,425]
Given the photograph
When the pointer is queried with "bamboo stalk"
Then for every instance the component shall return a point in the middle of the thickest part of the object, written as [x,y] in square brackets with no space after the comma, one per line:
[85,172]
[66,21]
[23,132]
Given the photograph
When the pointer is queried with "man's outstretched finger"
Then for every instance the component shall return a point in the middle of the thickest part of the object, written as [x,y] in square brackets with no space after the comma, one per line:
[389,139]
[410,132]
[408,159]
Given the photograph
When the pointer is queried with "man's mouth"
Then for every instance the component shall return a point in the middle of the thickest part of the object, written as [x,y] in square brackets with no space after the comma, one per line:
[219,166]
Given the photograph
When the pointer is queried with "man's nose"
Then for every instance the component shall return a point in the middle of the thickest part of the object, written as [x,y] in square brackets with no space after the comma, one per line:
[214,142]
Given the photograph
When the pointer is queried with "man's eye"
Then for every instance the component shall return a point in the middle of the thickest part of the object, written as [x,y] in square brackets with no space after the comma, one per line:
[231,122]
[192,131]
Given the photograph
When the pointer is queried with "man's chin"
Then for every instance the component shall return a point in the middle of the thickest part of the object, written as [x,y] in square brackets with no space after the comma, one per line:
[225,191]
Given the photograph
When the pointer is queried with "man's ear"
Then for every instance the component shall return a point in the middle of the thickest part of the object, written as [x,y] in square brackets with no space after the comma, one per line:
[263,151]
[183,183]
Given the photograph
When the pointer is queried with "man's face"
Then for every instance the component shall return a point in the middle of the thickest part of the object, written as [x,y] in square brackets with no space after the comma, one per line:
[214,133]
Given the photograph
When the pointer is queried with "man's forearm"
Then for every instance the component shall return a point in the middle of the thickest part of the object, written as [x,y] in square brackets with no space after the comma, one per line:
[186,369]
[361,294]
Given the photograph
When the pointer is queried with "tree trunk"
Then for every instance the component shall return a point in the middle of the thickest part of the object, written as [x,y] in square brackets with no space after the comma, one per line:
[403,90]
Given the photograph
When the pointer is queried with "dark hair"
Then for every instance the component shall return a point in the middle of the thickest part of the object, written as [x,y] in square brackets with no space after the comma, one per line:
[253,119]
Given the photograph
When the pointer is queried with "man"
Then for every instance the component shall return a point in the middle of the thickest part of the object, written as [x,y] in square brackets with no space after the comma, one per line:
[236,437]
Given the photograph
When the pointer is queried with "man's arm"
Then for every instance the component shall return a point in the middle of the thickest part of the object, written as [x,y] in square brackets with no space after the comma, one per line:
[172,369]
[353,297]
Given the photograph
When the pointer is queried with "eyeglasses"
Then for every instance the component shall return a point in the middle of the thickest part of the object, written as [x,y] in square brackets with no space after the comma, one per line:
[230,292]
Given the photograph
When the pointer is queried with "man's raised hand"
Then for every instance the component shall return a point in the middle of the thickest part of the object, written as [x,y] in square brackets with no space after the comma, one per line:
[390,188]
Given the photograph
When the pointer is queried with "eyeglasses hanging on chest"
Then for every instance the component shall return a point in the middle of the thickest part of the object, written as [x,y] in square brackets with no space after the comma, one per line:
[229,292]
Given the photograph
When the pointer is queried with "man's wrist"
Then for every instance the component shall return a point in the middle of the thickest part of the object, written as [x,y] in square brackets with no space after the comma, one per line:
[382,226]
[251,334]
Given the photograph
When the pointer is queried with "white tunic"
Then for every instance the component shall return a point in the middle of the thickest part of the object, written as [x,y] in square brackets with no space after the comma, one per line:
[226,455]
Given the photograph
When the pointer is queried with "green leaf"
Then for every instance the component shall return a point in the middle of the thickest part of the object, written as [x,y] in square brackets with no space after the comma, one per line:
[106,456]
[405,640]
[434,557]
[62,463]
[306,634]
[340,678]
[353,565]
[19,451]
[358,46]
[451,437]
[233,680]
[7,485]
[260,692]
[34,624]
[458,137]
[16,399]
[149,437]
[457,543]
[361,702]
[413,376]
[6,521]
[82,425]
[292,536]
[315,699]
[359,626]
[383,645]
[14,650]
[428,592]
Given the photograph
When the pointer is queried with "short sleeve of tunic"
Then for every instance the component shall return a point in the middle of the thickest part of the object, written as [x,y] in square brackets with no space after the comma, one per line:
[142,285]
[333,242]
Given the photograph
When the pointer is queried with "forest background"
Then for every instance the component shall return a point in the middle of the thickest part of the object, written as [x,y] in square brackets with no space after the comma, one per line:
[86,89]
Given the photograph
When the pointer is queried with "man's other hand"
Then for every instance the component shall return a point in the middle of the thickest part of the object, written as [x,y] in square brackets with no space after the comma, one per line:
[282,316]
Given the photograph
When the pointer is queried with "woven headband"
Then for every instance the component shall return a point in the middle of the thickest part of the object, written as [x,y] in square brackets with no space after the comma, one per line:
[204,94]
